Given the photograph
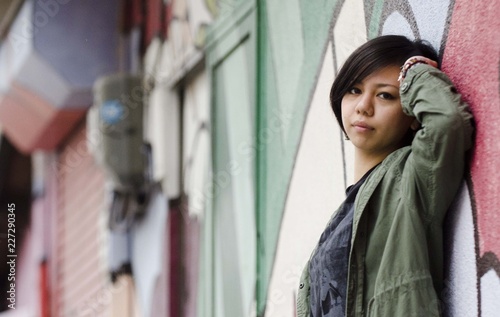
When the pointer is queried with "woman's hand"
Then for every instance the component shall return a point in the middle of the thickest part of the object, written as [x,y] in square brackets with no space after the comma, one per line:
[412,61]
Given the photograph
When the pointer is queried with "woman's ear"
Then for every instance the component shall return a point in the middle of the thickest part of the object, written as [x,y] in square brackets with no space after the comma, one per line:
[415,125]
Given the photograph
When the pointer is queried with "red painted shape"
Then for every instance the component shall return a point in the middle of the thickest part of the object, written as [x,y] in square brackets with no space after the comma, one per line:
[176,275]
[472,60]
[184,250]
[154,17]
[137,12]
[44,291]
[31,123]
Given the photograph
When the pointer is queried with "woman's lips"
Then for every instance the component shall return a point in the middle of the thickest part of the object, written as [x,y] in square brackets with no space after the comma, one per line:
[362,126]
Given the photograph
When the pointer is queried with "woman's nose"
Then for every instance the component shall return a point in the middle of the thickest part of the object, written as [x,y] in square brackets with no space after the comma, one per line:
[364,105]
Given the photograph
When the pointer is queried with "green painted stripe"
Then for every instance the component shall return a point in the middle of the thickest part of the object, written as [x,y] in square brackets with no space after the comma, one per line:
[374,28]
[261,116]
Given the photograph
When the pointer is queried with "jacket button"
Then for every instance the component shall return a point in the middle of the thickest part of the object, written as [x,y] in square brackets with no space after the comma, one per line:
[301,286]
[404,87]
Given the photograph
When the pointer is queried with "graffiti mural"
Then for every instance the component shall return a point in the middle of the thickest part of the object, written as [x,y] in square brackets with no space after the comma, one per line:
[472,38]
[412,19]
[473,222]
[464,33]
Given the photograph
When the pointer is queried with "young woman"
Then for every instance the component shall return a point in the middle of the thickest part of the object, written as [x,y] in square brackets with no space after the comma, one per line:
[381,254]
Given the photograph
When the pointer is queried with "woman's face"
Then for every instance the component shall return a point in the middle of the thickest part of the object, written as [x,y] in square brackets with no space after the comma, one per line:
[372,115]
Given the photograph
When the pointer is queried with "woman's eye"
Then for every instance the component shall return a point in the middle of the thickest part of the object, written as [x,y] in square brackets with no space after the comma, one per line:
[354,91]
[386,95]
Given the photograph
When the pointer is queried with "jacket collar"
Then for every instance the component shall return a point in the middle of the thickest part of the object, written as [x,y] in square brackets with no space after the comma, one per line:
[367,189]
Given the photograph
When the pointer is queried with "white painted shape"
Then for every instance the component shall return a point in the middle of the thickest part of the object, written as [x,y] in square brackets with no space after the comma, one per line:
[396,24]
[118,249]
[148,247]
[152,57]
[54,89]
[179,30]
[198,15]
[179,8]
[285,35]
[166,63]
[348,34]
[490,294]
[180,40]
[17,46]
[196,144]
[94,136]
[316,190]
[163,129]
[198,94]
[431,19]
[460,294]
[38,172]
[349,161]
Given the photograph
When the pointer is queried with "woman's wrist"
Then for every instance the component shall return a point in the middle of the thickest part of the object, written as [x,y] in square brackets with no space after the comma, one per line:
[412,61]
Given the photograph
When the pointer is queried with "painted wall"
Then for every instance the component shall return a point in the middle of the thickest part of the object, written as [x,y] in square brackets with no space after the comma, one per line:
[303,162]
[465,34]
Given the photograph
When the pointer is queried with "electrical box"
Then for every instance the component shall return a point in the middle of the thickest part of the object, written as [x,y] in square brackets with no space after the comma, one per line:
[118,102]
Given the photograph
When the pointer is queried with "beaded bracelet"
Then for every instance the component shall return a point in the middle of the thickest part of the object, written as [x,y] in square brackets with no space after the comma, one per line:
[409,64]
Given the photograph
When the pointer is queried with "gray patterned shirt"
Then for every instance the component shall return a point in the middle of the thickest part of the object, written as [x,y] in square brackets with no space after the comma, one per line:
[328,266]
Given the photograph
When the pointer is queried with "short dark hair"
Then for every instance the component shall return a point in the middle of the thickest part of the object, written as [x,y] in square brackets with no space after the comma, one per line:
[380,52]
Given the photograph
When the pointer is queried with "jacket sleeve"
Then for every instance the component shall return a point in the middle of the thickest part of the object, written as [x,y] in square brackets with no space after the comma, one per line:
[437,159]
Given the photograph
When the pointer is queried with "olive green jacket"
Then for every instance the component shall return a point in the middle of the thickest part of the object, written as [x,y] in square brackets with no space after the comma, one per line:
[396,257]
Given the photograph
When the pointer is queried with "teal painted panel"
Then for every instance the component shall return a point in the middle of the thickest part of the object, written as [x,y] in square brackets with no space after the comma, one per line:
[286,46]
[230,258]
[234,183]
[238,108]
[226,294]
